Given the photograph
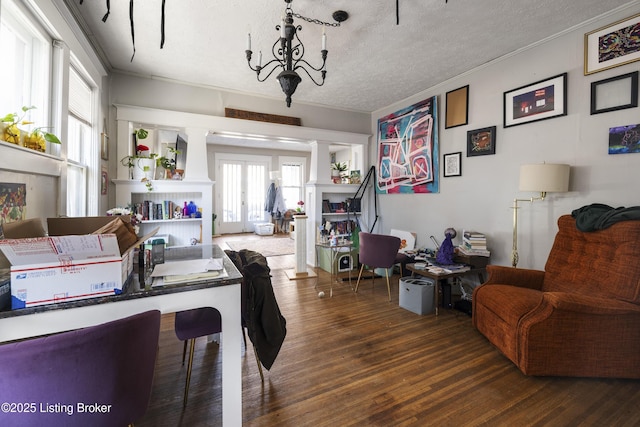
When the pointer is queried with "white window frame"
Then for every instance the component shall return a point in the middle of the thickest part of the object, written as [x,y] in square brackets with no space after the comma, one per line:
[35,69]
[91,167]
[298,161]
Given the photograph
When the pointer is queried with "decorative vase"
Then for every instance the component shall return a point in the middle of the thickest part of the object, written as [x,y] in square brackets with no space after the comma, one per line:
[12,134]
[144,167]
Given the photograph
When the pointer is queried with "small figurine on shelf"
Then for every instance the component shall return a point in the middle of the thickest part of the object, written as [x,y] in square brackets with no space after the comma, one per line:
[445,253]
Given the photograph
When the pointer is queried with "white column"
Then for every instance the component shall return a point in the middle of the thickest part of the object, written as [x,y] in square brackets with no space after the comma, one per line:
[320,164]
[300,222]
[196,168]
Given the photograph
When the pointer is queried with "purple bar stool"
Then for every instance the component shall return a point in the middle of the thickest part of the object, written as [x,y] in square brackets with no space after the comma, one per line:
[191,324]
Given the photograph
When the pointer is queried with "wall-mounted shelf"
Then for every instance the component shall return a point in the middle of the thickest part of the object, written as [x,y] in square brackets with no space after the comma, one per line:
[182,230]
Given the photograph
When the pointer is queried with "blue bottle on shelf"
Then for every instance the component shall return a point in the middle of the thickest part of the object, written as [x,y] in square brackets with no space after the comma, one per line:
[191,207]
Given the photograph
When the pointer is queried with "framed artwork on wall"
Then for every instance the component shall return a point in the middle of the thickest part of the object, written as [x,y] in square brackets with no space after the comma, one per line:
[457,108]
[624,139]
[452,164]
[104,146]
[104,182]
[481,141]
[612,45]
[615,93]
[408,153]
[541,100]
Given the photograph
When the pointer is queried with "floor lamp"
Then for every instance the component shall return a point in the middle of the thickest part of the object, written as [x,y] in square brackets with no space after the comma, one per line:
[543,178]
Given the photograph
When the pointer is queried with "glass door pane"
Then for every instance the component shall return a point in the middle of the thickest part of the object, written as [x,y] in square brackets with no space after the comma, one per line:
[232,221]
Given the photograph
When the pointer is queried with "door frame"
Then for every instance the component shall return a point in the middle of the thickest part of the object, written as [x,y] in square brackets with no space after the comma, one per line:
[247,226]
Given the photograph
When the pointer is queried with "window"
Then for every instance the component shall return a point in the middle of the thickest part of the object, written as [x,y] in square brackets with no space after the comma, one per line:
[26,63]
[81,147]
[292,182]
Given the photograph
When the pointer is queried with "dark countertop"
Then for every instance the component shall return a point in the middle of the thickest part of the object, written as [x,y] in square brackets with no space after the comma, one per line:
[132,289]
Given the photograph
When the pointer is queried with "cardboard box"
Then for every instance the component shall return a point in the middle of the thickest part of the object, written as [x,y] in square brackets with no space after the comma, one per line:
[71,265]
[5,290]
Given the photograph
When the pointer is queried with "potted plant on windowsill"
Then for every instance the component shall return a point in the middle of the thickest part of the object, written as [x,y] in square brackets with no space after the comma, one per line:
[35,140]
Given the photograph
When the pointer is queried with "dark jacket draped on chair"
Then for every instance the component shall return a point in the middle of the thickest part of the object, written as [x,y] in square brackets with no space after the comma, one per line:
[260,312]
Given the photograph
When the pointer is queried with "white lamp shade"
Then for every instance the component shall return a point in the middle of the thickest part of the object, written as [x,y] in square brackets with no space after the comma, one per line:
[544,177]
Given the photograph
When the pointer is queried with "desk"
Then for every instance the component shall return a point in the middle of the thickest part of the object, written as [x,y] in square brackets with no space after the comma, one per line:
[334,251]
[439,279]
[222,294]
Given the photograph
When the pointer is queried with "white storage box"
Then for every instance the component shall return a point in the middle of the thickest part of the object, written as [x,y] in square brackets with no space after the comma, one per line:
[416,294]
[264,229]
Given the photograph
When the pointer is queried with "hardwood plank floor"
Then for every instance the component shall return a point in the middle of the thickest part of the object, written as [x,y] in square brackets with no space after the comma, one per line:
[358,360]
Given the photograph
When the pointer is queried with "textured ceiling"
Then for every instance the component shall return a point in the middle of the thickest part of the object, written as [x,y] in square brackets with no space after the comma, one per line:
[372,62]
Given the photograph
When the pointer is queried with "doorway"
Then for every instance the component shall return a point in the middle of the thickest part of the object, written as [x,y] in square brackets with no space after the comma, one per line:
[240,192]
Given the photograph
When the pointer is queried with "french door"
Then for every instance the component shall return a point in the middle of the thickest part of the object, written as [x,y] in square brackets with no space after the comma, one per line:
[240,192]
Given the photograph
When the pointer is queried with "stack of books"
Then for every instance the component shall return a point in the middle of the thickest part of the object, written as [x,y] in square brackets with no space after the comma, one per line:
[474,243]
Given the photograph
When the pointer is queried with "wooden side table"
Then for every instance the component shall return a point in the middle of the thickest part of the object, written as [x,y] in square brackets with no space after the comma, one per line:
[441,278]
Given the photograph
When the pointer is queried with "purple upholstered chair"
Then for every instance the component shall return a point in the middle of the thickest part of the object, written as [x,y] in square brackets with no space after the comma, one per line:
[96,376]
[191,324]
[377,251]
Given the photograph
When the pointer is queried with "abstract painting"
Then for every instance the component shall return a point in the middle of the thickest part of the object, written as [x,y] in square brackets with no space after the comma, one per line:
[407,158]
[612,45]
[624,139]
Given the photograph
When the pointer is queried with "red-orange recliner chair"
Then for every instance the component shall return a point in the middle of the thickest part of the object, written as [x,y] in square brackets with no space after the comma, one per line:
[579,317]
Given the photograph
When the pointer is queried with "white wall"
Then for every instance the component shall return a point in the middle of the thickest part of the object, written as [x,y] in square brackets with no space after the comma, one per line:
[481,198]
[161,94]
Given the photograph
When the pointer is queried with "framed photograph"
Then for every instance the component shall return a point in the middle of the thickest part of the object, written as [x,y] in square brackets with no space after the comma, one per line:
[481,141]
[624,139]
[615,93]
[452,164]
[541,100]
[457,108]
[612,45]
[104,182]
[104,146]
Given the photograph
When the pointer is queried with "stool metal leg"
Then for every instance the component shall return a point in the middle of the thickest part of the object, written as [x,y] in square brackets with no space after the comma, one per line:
[186,387]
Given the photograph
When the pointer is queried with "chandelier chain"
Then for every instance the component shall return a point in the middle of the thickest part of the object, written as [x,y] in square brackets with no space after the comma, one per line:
[316,21]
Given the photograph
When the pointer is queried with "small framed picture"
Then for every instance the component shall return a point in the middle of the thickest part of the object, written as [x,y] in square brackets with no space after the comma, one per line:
[457,107]
[612,45]
[541,100]
[452,164]
[624,139]
[104,182]
[615,93]
[104,146]
[481,141]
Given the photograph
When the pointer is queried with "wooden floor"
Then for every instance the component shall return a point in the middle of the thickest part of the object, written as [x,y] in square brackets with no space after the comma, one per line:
[358,360]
